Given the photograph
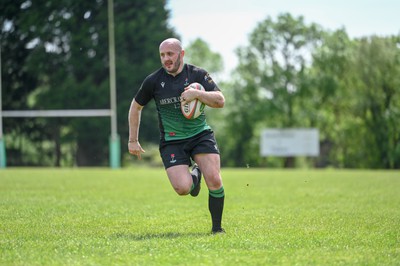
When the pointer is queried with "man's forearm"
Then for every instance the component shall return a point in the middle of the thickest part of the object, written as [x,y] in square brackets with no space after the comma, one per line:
[214,99]
[134,121]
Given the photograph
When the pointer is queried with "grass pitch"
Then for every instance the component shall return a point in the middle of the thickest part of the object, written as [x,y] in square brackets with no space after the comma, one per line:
[133,217]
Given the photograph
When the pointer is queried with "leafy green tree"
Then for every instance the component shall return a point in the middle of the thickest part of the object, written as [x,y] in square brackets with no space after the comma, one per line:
[270,73]
[19,33]
[354,86]
[198,53]
[59,60]
[140,27]
[326,99]
[377,97]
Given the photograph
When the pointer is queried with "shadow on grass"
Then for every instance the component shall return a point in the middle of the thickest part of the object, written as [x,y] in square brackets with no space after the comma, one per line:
[147,236]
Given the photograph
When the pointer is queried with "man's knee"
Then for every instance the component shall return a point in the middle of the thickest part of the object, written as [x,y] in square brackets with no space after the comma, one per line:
[181,191]
[214,181]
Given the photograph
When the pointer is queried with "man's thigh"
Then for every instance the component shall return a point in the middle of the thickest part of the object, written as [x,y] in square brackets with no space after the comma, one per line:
[174,154]
[180,178]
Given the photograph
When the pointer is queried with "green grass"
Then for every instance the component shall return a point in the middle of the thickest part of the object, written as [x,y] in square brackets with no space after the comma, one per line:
[133,217]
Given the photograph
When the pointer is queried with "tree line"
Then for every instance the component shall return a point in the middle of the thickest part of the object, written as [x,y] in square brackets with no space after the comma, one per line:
[292,74]
[298,75]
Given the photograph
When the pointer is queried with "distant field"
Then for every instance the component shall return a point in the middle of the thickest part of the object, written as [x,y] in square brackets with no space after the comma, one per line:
[133,217]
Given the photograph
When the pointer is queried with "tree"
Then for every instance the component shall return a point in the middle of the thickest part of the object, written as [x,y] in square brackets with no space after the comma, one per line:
[270,72]
[354,85]
[140,28]
[377,97]
[326,99]
[19,32]
[198,53]
[62,63]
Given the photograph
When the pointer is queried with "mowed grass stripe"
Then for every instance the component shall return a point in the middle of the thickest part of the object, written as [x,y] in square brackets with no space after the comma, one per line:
[133,217]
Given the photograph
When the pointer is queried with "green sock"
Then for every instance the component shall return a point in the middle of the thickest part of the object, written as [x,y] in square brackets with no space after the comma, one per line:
[216,206]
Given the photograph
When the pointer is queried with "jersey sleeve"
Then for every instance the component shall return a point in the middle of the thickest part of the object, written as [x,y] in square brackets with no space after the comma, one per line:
[207,82]
[145,93]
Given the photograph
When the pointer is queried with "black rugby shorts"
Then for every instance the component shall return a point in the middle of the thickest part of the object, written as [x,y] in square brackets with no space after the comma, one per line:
[179,152]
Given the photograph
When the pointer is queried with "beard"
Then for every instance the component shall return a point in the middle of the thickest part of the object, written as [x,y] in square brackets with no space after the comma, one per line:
[175,67]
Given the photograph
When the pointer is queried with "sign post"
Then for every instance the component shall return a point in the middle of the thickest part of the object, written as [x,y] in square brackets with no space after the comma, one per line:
[115,153]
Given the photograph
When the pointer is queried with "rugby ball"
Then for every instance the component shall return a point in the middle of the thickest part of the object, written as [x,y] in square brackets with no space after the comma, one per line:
[193,109]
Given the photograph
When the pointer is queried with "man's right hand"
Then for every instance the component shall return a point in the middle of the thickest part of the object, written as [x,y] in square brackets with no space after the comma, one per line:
[135,149]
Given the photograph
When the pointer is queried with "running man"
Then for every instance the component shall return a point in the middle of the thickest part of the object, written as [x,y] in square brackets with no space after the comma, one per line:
[182,140]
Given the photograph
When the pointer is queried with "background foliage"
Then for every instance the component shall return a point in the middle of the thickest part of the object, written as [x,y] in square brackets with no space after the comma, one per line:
[55,56]
[292,74]
[298,75]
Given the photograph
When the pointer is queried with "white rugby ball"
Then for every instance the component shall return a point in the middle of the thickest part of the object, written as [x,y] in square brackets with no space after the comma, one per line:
[193,109]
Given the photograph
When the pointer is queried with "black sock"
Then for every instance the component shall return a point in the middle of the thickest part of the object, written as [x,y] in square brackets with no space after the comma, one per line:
[216,207]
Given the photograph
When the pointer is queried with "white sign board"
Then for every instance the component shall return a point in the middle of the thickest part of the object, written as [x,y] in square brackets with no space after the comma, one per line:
[290,142]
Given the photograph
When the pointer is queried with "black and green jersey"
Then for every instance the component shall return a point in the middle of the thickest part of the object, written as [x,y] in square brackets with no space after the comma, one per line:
[166,89]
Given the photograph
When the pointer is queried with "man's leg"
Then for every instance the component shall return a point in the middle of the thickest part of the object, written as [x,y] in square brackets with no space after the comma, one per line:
[180,178]
[176,162]
[216,206]
[209,164]
[184,182]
